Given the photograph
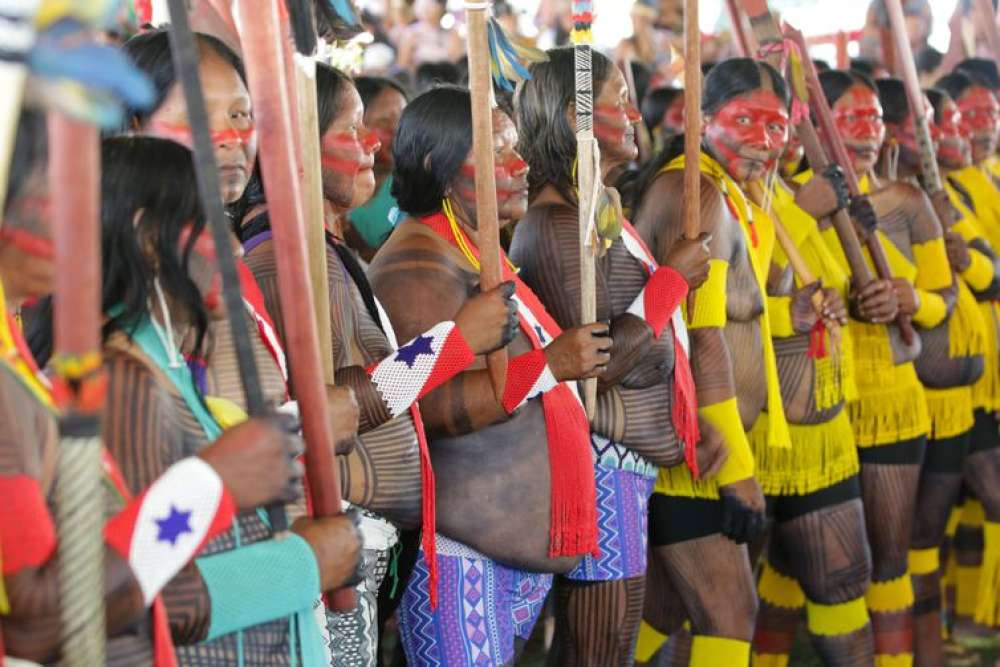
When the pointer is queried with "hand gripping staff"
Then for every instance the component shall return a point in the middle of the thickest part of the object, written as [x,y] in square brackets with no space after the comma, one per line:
[261,38]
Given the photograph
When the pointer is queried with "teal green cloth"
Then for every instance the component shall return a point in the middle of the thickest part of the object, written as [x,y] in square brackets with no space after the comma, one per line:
[375,220]
[145,337]
[259,583]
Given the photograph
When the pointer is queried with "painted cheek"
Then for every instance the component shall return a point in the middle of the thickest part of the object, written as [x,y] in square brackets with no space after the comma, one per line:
[28,243]
[633,114]
[370,143]
[611,123]
[234,136]
[341,153]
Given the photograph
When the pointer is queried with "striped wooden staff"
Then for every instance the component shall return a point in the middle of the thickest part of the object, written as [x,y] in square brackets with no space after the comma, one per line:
[692,121]
[587,173]
[481,92]
[75,173]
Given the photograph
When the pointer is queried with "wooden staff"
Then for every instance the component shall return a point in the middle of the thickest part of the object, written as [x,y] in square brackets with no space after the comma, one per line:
[987,15]
[261,37]
[740,30]
[481,90]
[75,173]
[692,121]
[835,146]
[915,95]
[586,173]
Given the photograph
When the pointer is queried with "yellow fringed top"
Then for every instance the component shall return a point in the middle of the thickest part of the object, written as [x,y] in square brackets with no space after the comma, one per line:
[836,383]
[985,200]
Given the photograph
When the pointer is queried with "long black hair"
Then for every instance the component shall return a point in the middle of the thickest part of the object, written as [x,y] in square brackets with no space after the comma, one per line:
[982,70]
[546,140]
[151,53]
[433,139]
[155,179]
[726,80]
[370,87]
[956,83]
[836,82]
[937,99]
[895,104]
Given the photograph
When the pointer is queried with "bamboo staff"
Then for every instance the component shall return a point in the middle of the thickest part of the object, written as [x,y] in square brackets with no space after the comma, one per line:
[817,101]
[744,39]
[261,37]
[904,58]
[74,172]
[481,90]
[587,173]
[692,121]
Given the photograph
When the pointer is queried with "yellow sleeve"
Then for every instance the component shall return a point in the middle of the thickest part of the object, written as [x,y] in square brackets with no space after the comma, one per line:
[932,310]
[710,298]
[779,309]
[933,269]
[979,273]
[725,417]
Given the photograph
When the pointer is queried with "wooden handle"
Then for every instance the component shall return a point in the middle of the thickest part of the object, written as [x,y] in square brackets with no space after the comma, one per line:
[480,86]
[692,121]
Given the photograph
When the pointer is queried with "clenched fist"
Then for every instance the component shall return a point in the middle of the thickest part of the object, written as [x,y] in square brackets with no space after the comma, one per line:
[579,353]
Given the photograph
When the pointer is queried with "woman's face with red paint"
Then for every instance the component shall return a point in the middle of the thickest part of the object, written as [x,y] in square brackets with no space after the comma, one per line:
[905,135]
[27,262]
[614,122]
[347,151]
[858,116]
[980,120]
[953,148]
[511,173]
[673,118]
[747,134]
[230,122]
[382,116]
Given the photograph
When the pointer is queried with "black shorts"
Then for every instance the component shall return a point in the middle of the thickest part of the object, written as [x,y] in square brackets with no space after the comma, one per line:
[786,508]
[904,452]
[675,519]
[945,456]
[985,432]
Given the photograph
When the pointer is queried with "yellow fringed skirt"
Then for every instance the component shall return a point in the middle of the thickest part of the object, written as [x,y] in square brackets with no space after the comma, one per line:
[891,406]
[821,455]
[949,410]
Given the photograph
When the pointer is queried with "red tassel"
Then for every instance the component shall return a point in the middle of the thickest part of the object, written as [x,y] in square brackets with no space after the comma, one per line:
[817,341]
[685,410]
[428,508]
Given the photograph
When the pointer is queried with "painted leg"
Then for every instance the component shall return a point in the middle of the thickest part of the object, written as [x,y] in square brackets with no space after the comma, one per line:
[782,603]
[889,492]
[982,474]
[597,622]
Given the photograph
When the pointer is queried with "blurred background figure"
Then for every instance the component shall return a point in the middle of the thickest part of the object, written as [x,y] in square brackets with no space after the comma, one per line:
[426,40]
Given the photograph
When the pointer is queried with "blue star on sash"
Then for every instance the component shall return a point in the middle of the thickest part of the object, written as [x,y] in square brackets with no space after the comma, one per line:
[409,352]
[173,526]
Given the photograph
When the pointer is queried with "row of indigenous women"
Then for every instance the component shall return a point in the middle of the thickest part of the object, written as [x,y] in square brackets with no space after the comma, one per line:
[735,401]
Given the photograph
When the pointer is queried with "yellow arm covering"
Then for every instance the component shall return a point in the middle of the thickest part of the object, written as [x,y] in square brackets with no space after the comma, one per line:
[780,310]
[979,274]
[710,298]
[932,309]
[933,273]
[725,417]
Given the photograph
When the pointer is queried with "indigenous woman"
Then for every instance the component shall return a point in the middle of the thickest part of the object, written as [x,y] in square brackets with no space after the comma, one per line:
[158,283]
[890,417]
[245,467]
[746,128]
[599,603]
[818,553]
[373,221]
[970,195]
[950,364]
[515,479]
[388,469]
[663,115]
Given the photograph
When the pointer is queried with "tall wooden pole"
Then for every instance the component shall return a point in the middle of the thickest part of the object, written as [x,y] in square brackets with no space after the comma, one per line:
[260,36]
[692,121]
[988,16]
[914,94]
[587,173]
[481,88]
[75,173]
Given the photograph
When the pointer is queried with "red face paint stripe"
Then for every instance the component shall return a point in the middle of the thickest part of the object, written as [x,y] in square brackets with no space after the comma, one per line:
[232,135]
[28,243]
[340,165]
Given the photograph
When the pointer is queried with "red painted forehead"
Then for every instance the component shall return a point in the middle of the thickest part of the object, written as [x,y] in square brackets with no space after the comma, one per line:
[978,98]
[859,99]
[950,124]
[761,105]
